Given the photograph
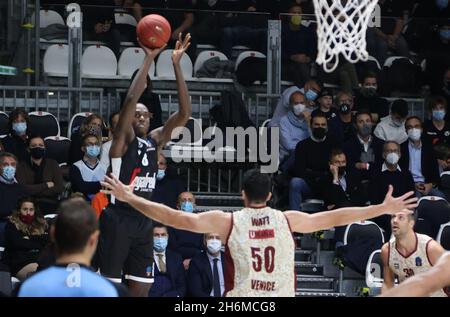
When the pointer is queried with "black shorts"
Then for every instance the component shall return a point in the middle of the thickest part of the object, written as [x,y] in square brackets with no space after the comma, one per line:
[125,247]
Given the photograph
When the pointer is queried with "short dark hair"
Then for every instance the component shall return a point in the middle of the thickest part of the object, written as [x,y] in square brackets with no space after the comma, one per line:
[336,152]
[435,100]
[256,185]
[111,117]
[370,75]
[34,136]
[318,114]
[389,142]
[362,112]
[15,114]
[90,135]
[414,117]
[160,225]
[75,223]
[400,107]
[7,154]
[442,151]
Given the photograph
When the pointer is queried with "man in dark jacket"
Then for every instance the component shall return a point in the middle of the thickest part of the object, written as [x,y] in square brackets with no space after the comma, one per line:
[206,272]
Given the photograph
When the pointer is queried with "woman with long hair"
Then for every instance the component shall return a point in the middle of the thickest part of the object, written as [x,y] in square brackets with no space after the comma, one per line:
[25,236]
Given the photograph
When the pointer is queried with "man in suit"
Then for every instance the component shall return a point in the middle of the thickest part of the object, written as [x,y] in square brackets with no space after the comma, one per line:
[419,158]
[206,271]
[168,270]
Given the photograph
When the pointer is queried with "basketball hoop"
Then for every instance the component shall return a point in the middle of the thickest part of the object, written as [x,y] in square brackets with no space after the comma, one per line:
[341,30]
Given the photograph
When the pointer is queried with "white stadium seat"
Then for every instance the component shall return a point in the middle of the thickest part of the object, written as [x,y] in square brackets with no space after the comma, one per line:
[206,55]
[132,59]
[98,61]
[388,62]
[246,54]
[48,17]
[125,18]
[164,66]
[56,60]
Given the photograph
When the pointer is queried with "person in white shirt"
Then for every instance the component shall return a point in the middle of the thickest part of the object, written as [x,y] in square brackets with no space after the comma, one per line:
[392,127]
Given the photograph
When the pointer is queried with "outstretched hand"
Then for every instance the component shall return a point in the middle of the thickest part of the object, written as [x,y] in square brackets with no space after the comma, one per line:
[117,188]
[151,52]
[180,47]
[404,203]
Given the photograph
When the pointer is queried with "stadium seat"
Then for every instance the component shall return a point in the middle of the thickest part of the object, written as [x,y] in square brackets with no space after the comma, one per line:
[265,124]
[164,66]
[374,271]
[388,62]
[445,183]
[99,61]
[5,283]
[132,59]
[57,148]
[434,211]
[373,59]
[75,122]
[4,119]
[56,60]
[125,18]
[206,55]
[246,54]
[44,123]
[48,17]
[443,237]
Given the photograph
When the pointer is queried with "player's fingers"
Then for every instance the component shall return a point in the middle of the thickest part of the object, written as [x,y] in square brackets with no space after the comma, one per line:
[408,194]
[106,192]
[187,39]
[186,47]
[411,200]
[390,190]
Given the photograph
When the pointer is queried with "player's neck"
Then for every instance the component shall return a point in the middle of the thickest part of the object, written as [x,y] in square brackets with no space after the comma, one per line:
[78,258]
[256,206]
[407,243]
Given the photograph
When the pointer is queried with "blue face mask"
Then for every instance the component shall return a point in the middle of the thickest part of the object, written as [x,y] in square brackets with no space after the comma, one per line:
[160,175]
[438,114]
[187,206]
[19,127]
[93,150]
[445,34]
[311,95]
[442,4]
[9,172]
[160,244]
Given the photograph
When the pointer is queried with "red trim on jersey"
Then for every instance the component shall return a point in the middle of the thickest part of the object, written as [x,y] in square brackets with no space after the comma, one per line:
[292,236]
[415,249]
[136,171]
[229,264]
[426,251]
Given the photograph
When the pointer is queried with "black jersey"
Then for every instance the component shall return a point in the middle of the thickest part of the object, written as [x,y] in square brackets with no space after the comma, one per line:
[139,165]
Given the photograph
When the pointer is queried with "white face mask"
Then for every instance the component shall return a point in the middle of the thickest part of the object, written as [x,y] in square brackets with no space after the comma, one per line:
[213,245]
[299,108]
[392,158]
[414,134]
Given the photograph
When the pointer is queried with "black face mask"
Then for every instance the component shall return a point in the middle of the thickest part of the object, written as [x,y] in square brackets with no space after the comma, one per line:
[344,108]
[37,152]
[319,133]
[341,170]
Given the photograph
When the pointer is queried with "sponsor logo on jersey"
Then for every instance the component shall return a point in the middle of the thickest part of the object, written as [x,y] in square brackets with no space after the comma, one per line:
[418,261]
[261,234]
[263,286]
[397,266]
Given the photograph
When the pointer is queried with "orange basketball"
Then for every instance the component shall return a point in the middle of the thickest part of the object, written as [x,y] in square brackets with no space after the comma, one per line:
[153,31]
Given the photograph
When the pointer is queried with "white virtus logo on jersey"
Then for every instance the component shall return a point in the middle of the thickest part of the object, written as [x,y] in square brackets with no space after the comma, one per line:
[74,278]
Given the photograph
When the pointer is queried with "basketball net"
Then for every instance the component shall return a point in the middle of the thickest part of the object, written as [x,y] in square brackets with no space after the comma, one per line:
[341,30]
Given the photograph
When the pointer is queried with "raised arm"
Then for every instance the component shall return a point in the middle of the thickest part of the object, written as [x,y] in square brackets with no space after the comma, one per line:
[302,222]
[438,277]
[180,118]
[211,221]
[124,133]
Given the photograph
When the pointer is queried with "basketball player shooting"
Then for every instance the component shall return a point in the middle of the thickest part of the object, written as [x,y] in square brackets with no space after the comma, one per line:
[126,240]
[259,244]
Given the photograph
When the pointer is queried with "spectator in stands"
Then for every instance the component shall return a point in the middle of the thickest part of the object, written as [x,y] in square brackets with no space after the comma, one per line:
[389,35]
[113,119]
[445,91]
[41,176]
[10,190]
[16,141]
[437,129]
[442,152]
[311,167]
[99,23]
[180,14]
[390,173]
[311,90]
[168,269]
[206,272]
[86,174]
[418,156]
[298,49]
[186,243]
[128,31]
[25,236]
[75,234]
[206,26]
[345,103]
[363,153]
[294,127]
[392,127]
[325,101]
[368,98]
[93,124]
[168,185]
[132,6]
[437,55]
